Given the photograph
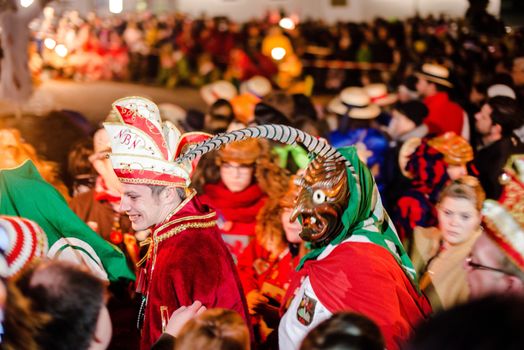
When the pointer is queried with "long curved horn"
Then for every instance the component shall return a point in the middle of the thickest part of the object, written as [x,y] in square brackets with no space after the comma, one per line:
[275,132]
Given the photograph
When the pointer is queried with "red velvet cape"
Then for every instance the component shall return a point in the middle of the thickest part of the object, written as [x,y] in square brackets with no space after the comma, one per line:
[194,264]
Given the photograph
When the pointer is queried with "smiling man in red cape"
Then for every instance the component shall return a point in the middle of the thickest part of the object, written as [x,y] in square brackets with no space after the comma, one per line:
[187,259]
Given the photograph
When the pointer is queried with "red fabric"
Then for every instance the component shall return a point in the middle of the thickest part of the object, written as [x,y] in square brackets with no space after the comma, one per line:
[147,177]
[241,208]
[101,192]
[278,274]
[444,115]
[365,278]
[192,265]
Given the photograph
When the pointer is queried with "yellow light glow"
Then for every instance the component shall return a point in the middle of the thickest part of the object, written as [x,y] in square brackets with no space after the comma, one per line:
[278,53]
[116,6]
[50,43]
[26,3]
[61,50]
[287,23]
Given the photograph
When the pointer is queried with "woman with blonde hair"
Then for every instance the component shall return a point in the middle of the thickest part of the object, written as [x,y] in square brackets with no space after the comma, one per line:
[439,252]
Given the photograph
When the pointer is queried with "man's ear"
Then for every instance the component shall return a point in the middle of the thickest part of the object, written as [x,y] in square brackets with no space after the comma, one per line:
[170,194]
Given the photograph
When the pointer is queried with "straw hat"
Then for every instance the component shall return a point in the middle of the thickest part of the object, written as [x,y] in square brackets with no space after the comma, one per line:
[172,112]
[435,73]
[355,103]
[257,85]
[220,89]
[378,93]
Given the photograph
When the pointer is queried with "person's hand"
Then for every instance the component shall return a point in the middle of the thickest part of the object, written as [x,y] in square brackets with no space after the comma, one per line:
[254,299]
[181,316]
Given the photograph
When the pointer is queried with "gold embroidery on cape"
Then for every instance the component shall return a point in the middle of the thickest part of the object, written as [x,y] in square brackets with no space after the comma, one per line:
[173,232]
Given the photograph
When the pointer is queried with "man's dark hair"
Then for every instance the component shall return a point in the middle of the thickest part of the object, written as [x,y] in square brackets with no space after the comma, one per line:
[506,113]
[72,298]
[156,190]
[345,330]
[490,323]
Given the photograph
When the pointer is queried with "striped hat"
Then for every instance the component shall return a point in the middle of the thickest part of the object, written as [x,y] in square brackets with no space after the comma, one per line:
[23,240]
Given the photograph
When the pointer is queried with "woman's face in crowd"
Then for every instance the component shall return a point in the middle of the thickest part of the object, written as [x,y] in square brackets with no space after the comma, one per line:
[237,177]
[292,229]
[456,171]
[458,219]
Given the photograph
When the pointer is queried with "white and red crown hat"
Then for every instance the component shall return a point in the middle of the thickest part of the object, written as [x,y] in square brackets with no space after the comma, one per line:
[144,147]
[22,241]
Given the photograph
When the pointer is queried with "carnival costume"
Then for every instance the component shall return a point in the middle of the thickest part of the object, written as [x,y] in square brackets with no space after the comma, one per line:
[267,264]
[503,220]
[237,211]
[357,262]
[427,169]
[187,259]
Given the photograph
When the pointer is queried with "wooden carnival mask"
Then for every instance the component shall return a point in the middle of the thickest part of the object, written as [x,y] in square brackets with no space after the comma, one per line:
[322,200]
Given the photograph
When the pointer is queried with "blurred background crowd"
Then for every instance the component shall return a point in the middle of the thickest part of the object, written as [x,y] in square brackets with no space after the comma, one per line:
[433,105]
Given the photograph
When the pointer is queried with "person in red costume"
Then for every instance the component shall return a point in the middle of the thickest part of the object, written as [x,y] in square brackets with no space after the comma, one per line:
[266,266]
[237,196]
[444,115]
[357,262]
[187,259]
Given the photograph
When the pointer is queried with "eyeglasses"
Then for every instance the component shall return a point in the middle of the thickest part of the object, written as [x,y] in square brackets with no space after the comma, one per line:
[475,266]
[242,169]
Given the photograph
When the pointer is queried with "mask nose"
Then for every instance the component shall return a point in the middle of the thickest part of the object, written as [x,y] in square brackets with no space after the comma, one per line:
[304,204]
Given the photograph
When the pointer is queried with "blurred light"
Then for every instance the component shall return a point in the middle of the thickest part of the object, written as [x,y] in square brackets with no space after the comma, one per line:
[141,6]
[26,3]
[116,6]
[287,23]
[50,43]
[61,50]
[278,53]
[508,29]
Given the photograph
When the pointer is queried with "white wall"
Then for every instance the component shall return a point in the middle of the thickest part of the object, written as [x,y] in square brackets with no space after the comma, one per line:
[355,10]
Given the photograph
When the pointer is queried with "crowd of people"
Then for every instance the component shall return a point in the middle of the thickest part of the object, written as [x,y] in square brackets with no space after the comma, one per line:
[391,216]
[175,49]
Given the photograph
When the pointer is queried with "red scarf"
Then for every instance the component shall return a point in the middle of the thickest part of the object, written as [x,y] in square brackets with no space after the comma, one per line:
[234,206]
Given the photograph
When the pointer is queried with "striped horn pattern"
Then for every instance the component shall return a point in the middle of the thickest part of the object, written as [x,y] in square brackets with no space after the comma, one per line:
[275,132]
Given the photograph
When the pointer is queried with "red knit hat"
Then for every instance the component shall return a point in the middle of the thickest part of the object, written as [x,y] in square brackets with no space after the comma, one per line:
[26,242]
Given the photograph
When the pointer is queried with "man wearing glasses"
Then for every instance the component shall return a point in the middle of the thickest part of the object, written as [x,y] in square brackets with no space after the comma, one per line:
[496,262]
